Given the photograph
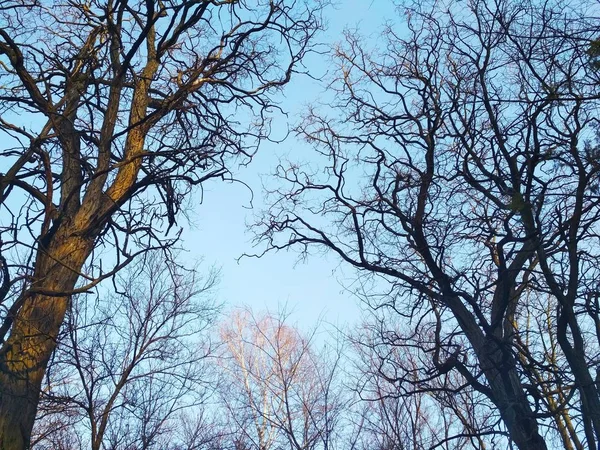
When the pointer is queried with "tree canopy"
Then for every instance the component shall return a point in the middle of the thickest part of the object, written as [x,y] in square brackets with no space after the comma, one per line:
[455,168]
[458,171]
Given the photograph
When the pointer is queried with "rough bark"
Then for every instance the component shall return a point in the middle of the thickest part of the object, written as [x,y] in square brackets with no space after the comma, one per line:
[60,258]
[26,352]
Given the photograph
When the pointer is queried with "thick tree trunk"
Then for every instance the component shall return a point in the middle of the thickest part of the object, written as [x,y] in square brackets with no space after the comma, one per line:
[500,370]
[25,354]
[17,405]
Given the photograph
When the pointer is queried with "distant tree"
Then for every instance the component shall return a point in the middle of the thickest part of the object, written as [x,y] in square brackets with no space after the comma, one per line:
[112,111]
[404,402]
[279,392]
[459,166]
[131,365]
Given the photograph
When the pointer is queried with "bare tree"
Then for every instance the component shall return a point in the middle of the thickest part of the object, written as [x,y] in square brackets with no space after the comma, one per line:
[461,168]
[404,401]
[280,393]
[111,112]
[130,364]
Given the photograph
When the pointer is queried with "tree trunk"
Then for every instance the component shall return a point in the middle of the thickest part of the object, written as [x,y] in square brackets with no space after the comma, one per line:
[500,370]
[25,354]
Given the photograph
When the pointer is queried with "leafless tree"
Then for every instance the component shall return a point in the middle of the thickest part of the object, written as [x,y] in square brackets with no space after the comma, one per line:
[130,365]
[112,111]
[280,392]
[404,402]
[460,167]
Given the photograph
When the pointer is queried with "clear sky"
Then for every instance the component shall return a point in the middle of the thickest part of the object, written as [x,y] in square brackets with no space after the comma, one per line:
[311,289]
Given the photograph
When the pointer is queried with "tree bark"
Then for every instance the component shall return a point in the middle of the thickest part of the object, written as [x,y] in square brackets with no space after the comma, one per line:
[500,370]
[25,354]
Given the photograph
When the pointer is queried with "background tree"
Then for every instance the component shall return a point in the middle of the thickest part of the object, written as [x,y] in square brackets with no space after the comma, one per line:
[461,168]
[111,112]
[280,392]
[130,365]
[402,403]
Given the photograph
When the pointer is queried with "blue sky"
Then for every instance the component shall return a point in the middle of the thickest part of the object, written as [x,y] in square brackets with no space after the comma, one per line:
[313,289]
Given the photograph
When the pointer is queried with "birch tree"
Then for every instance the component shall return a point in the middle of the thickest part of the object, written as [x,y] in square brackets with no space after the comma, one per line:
[280,392]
